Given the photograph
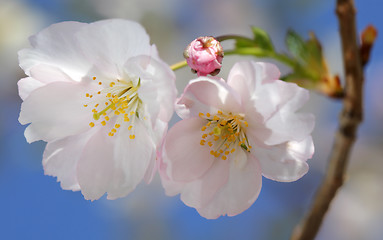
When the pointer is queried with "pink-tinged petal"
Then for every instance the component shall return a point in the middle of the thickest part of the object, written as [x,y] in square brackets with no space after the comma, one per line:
[275,120]
[158,135]
[201,191]
[241,190]
[285,162]
[171,187]
[95,167]
[56,111]
[289,127]
[108,44]
[61,157]
[302,150]
[259,87]
[157,89]
[186,159]
[41,75]
[132,159]
[247,77]
[277,96]
[207,95]
[56,46]
[151,170]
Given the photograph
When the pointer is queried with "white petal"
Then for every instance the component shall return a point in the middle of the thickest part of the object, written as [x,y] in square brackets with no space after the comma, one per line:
[157,90]
[239,193]
[285,162]
[56,46]
[56,111]
[27,85]
[95,167]
[41,75]
[133,158]
[186,159]
[207,95]
[61,157]
[108,44]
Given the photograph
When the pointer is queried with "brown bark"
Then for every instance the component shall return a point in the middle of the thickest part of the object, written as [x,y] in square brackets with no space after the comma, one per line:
[349,120]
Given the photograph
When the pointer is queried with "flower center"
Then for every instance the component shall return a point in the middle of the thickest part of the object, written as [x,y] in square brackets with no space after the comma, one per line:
[223,133]
[118,101]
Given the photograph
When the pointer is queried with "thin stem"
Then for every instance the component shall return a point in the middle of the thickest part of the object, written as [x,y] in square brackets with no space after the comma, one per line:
[349,121]
[284,59]
[178,65]
[231,37]
[261,53]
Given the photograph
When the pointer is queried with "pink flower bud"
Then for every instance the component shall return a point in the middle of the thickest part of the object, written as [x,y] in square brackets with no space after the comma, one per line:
[204,55]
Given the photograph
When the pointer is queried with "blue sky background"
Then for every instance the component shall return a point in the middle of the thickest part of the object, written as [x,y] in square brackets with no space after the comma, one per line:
[33,206]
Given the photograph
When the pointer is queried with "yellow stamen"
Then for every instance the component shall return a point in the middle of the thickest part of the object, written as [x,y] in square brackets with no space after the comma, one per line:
[225,131]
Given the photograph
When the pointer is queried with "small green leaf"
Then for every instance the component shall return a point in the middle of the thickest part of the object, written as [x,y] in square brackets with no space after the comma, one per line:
[262,39]
[296,46]
[314,49]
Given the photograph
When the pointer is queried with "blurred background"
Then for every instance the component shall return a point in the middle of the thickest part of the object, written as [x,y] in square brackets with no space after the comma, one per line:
[33,206]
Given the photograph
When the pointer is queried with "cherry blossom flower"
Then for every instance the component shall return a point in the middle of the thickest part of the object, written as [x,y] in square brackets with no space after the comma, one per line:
[101,97]
[204,55]
[231,134]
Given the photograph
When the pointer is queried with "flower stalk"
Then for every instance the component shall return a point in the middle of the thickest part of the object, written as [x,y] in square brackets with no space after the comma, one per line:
[179,65]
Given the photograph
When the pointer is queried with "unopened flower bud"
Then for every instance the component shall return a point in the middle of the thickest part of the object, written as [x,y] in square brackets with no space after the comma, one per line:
[204,55]
[368,37]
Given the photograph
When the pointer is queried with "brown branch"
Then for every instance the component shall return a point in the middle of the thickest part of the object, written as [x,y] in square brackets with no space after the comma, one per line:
[349,120]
